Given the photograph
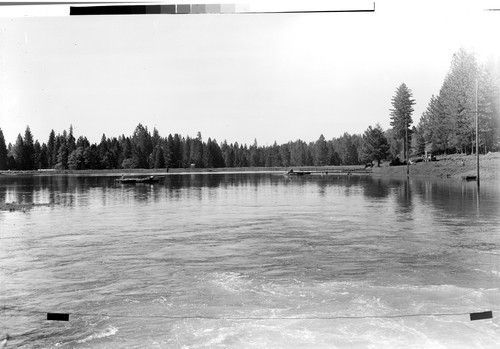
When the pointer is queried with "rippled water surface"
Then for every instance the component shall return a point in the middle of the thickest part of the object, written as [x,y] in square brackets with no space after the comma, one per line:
[250,261]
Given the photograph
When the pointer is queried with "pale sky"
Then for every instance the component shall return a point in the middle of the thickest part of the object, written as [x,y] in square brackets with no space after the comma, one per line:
[237,77]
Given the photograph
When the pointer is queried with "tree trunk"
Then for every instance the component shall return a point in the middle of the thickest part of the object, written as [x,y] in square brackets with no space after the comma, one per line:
[404,148]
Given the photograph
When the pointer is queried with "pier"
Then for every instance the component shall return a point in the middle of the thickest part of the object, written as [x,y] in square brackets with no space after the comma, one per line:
[328,171]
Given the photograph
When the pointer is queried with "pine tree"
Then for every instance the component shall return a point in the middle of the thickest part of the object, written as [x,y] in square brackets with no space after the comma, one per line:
[255,154]
[297,153]
[375,146]
[3,152]
[186,152]
[285,155]
[159,161]
[76,159]
[18,152]
[434,126]
[458,98]
[346,148]
[44,158]
[197,151]
[274,156]
[51,144]
[402,108]
[71,140]
[321,152]
[28,150]
[37,155]
[489,107]
[62,157]
[228,154]
[142,146]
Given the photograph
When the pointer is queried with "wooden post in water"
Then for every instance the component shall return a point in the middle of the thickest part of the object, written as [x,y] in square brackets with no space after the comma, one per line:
[477,138]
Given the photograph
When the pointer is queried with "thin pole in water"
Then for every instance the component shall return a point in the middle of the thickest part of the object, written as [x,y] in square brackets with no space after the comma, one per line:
[477,137]
[406,150]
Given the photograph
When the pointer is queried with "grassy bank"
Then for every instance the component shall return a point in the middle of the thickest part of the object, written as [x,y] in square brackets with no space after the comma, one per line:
[448,166]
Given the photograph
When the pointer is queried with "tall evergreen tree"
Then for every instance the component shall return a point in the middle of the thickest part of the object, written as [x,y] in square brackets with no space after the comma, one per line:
[3,152]
[297,153]
[62,157]
[76,159]
[321,152]
[274,156]
[51,144]
[173,156]
[18,153]
[375,146]
[489,107]
[44,156]
[11,156]
[228,154]
[333,154]
[347,150]
[417,141]
[159,161]
[197,151]
[434,126]
[71,142]
[28,150]
[142,146]
[458,98]
[186,152]
[91,157]
[285,155]
[402,109]
[37,155]
[82,142]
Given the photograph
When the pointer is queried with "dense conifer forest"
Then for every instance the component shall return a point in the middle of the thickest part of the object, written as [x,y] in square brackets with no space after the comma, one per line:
[447,126]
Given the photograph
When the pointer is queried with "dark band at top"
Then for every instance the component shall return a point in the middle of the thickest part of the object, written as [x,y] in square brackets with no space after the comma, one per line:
[181,9]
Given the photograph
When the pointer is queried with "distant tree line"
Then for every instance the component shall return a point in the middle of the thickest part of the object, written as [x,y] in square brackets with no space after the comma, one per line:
[150,150]
[447,126]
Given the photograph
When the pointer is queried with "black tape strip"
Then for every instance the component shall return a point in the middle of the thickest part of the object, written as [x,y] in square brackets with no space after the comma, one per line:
[182,9]
[57,316]
[481,316]
[113,10]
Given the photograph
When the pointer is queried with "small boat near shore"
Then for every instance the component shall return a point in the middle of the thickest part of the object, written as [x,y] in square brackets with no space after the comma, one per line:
[146,180]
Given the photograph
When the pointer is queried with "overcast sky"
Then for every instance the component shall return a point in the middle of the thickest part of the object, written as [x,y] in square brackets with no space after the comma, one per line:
[237,77]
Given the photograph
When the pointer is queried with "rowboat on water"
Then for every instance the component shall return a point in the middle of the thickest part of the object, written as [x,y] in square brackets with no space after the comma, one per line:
[146,180]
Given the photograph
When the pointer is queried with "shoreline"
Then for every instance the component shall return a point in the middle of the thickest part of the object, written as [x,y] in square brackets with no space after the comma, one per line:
[454,166]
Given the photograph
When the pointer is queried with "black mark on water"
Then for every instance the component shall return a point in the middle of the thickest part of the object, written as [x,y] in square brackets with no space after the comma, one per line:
[481,316]
[58,316]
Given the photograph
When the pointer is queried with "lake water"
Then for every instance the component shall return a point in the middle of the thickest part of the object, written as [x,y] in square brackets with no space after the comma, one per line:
[250,261]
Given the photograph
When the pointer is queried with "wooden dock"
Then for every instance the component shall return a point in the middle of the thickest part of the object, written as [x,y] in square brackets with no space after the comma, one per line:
[302,171]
